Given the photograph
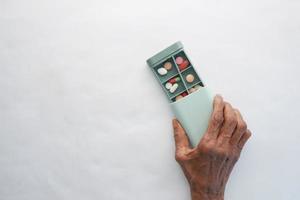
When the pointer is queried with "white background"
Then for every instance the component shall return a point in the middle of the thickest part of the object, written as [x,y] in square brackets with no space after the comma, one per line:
[82,116]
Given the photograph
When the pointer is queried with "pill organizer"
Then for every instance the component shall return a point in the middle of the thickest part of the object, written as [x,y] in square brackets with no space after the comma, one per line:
[190,99]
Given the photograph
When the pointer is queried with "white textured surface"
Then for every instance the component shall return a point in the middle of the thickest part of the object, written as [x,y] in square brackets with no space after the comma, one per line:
[82,117]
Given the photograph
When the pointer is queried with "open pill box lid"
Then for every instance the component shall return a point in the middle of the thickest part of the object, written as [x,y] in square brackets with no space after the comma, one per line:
[194,110]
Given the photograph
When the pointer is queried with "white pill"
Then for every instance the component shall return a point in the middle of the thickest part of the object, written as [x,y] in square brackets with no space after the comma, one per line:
[168,85]
[197,87]
[174,88]
[162,71]
[192,90]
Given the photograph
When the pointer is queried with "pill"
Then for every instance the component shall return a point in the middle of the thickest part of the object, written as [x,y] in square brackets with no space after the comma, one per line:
[184,94]
[168,66]
[168,85]
[174,80]
[181,68]
[192,90]
[174,88]
[184,65]
[162,71]
[179,60]
[189,78]
[196,87]
[178,97]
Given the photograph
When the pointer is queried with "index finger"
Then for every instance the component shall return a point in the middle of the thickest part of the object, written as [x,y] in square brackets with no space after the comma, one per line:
[216,118]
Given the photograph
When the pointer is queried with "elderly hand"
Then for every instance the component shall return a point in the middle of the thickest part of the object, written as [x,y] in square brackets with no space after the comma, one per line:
[207,167]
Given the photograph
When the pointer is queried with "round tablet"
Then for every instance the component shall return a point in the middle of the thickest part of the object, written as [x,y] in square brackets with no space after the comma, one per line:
[179,60]
[189,78]
[168,85]
[168,66]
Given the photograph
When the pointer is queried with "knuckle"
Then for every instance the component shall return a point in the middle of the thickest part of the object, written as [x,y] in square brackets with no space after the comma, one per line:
[217,118]
[231,121]
[179,157]
[242,126]
[176,134]
[244,139]
[246,135]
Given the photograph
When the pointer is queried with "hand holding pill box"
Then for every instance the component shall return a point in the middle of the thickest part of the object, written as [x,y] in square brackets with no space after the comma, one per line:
[190,99]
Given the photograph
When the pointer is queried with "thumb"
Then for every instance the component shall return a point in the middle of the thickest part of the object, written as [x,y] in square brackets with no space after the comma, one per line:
[181,139]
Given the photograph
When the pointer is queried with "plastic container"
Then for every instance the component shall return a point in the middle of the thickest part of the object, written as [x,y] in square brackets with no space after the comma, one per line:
[193,110]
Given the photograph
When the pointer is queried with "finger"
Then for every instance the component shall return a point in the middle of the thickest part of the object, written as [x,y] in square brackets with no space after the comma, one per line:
[241,128]
[217,118]
[181,139]
[244,139]
[230,122]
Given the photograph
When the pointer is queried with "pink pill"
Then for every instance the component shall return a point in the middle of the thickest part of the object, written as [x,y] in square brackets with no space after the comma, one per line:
[179,60]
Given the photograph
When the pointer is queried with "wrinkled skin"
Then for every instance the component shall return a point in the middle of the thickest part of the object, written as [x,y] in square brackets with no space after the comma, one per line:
[207,166]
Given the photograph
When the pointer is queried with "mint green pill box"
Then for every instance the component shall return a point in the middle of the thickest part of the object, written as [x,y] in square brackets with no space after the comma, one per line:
[190,99]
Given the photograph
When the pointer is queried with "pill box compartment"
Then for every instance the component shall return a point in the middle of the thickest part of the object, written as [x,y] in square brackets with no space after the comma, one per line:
[181,54]
[177,70]
[181,88]
[182,95]
[170,73]
[190,71]
[185,61]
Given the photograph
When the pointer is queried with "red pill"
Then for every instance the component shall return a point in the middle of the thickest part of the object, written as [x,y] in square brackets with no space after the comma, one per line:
[180,68]
[174,80]
[184,94]
[184,65]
